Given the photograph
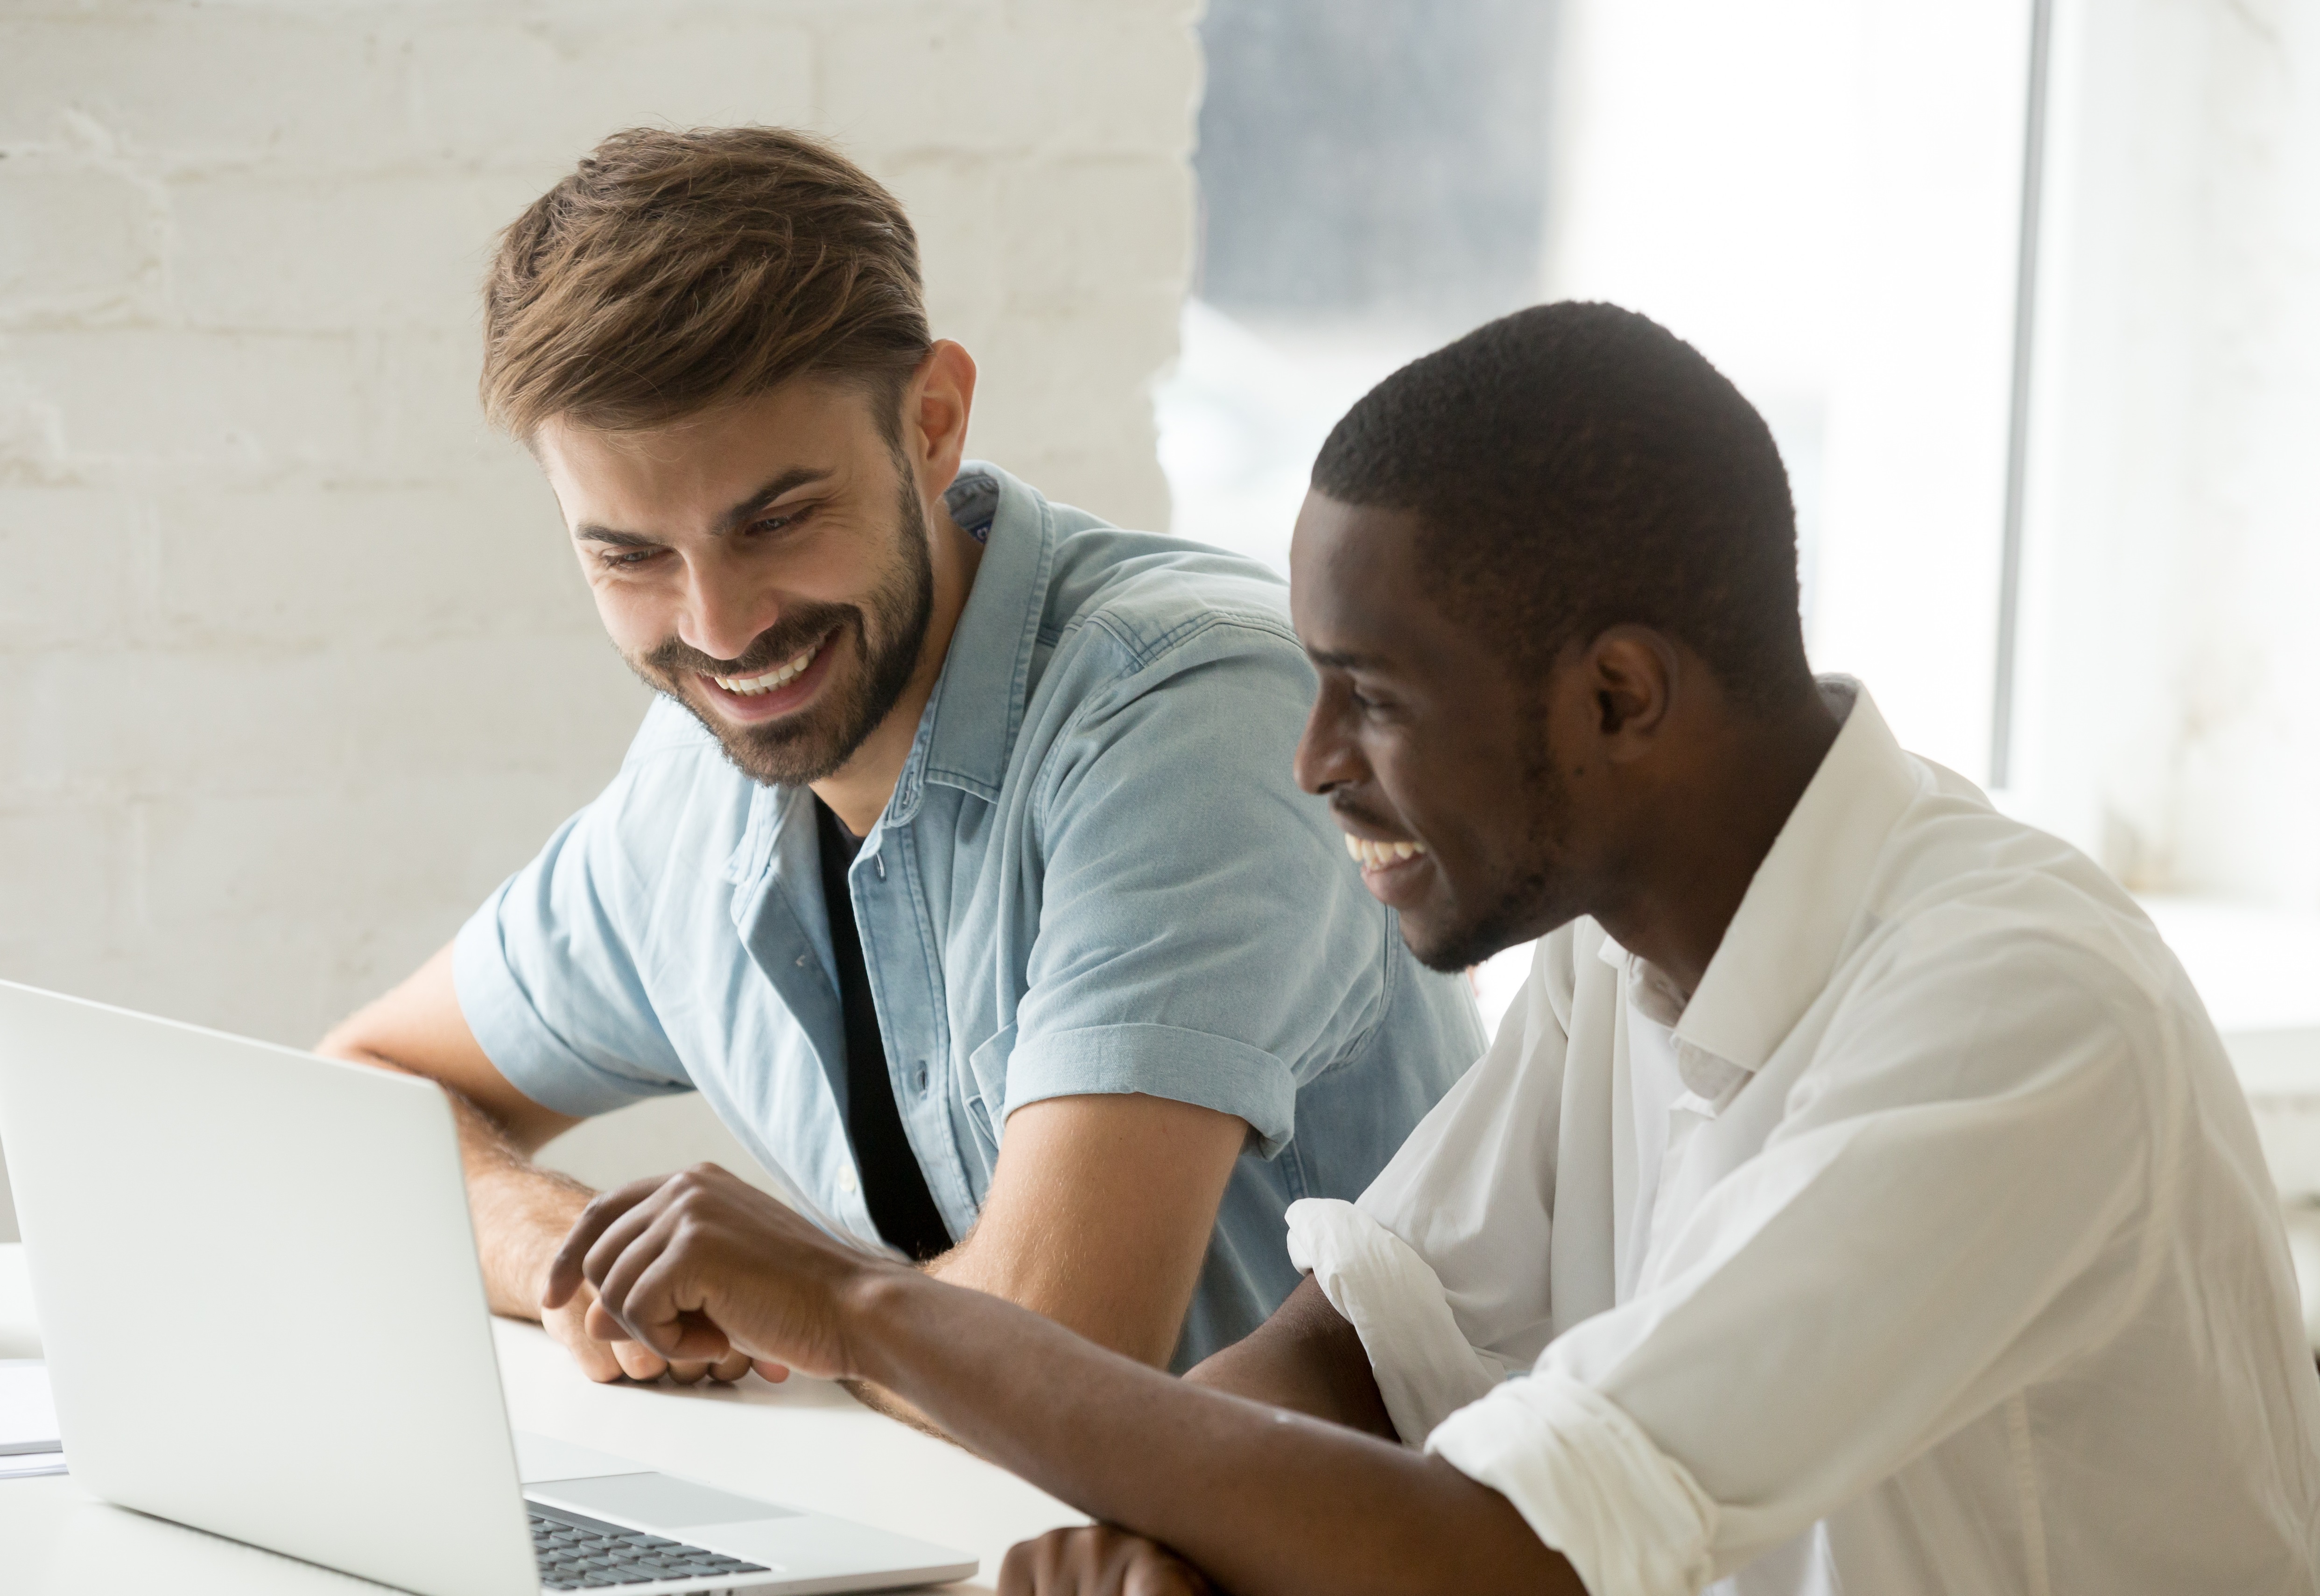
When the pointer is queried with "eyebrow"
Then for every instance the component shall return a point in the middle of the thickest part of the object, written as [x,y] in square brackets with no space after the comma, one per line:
[1335,659]
[789,481]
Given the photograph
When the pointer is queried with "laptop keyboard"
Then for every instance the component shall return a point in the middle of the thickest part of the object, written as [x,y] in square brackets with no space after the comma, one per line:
[577,1553]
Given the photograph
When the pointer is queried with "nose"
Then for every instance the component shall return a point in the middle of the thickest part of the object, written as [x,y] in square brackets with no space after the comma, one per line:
[1326,756]
[723,613]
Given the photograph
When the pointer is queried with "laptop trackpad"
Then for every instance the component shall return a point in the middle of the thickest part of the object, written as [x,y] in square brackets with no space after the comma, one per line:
[653,1501]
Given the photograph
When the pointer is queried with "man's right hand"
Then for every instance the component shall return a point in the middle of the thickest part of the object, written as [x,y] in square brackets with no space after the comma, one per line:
[606,1361]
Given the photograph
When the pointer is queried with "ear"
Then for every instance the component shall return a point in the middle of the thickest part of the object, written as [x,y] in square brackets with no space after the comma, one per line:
[1629,674]
[935,407]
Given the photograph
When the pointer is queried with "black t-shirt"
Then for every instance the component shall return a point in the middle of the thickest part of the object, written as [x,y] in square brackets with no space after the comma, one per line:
[892,1183]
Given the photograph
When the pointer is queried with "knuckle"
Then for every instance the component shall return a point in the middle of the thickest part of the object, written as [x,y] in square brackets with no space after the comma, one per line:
[1047,1554]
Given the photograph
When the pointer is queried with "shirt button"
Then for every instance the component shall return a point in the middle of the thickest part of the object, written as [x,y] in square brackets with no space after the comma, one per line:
[921,1077]
[848,1182]
[881,862]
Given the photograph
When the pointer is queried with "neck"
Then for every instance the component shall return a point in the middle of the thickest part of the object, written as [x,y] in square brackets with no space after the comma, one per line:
[859,791]
[1697,851]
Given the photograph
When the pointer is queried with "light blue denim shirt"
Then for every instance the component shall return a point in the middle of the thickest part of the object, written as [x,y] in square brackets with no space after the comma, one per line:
[1096,873]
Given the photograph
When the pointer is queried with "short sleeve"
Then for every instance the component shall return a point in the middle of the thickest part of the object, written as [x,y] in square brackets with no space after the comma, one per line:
[1202,934]
[547,975]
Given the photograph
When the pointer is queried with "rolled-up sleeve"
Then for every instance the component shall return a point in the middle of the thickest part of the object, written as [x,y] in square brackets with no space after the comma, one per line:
[1425,1367]
[1201,935]
[1589,1481]
[548,979]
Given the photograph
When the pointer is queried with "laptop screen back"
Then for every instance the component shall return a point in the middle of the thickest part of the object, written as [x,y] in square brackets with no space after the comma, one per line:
[259,1294]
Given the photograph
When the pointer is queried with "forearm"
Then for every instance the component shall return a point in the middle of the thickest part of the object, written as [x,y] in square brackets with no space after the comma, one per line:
[1098,1219]
[1123,1320]
[1269,1502]
[1265,1501]
[1129,1296]
[1305,1358]
[520,1210]
[1099,1216]
[975,1264]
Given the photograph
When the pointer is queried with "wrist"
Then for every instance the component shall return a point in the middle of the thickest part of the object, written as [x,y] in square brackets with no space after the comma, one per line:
[529,1247]
[874,1305]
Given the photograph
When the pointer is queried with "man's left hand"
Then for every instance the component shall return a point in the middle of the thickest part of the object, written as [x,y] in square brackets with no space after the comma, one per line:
[1097,1560]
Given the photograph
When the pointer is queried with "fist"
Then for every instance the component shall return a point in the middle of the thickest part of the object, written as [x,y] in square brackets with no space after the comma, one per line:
[606,1361]
[1098,1560]
[701,1268]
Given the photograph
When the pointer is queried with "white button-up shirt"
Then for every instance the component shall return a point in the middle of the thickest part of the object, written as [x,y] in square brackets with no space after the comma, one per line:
[1926,1247]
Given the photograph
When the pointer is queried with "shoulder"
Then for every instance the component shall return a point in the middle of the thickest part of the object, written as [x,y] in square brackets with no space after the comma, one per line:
[671,749]
[1959,881]
[1142,600]
[676,793]
[1161,658]
[2009,951]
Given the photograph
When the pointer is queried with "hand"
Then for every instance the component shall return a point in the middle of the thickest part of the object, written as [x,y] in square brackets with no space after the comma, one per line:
[606,1361]
[701,1268]
[1097,1560]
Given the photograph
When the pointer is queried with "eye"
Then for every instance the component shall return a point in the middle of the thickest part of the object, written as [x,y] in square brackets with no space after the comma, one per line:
[781,520]
[628,560]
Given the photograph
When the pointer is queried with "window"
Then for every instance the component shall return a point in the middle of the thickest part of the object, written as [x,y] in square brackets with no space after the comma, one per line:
[1822,196]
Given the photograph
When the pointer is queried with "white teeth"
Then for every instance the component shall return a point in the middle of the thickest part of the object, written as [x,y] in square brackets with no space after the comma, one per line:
[1377,856]
[750,686]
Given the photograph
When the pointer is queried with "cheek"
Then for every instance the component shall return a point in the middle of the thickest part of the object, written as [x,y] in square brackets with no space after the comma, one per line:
[1404,775]
[1439,790]
[635,619]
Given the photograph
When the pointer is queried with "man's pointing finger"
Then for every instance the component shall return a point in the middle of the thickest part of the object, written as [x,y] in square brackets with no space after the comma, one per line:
[565,1273]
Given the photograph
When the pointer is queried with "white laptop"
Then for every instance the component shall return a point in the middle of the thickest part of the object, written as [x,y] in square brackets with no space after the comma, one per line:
[264,1318]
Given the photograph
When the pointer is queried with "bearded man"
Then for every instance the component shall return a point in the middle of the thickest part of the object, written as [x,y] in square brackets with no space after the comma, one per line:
[961,864]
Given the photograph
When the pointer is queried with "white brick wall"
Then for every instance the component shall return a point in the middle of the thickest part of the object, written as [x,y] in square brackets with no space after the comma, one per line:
[293,666]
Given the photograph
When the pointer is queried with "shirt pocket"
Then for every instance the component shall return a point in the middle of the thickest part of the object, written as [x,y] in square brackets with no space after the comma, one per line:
[988,1104]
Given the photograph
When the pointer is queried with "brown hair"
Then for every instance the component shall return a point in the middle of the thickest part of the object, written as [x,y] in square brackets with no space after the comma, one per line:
[671,272]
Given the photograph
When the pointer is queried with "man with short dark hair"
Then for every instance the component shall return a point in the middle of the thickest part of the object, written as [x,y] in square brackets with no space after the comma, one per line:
[960,864]
[1857,1198]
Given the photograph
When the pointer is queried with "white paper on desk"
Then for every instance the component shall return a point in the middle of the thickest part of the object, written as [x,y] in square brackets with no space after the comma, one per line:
[28,1418]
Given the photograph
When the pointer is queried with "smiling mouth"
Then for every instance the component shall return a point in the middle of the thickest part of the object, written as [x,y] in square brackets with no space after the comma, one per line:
[1381,856]
[781,676]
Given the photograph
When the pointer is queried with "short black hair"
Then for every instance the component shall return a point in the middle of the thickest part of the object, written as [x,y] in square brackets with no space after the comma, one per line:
[1576,466]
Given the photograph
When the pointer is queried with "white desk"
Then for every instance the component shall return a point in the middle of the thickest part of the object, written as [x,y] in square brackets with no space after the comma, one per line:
[805,1443]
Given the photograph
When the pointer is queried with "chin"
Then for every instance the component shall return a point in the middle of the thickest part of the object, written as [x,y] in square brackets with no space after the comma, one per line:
[1455,942]
[1448,949]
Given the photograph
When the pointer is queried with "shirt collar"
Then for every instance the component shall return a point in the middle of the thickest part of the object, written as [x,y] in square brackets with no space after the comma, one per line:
[1784,942]
[977,705]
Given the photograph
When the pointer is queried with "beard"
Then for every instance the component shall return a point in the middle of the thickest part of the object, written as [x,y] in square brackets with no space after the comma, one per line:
[889,629]
[1524,899]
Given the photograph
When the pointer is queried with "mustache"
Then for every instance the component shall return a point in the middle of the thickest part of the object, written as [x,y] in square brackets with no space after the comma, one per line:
[786,639]
[1341,805]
